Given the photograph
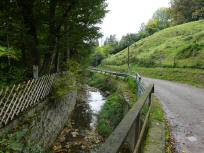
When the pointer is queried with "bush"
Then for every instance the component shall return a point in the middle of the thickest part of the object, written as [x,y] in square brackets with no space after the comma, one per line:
[63,85]
[103,83]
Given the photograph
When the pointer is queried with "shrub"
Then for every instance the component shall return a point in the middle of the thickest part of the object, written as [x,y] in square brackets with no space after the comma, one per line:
[63,85]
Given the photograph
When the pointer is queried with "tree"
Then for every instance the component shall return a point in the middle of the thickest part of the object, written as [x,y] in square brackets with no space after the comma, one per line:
[163,15]
[152,26]
[111,40]
[48,33]
[187,10]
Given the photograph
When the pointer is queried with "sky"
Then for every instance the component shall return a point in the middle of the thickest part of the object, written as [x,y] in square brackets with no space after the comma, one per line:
[126,16]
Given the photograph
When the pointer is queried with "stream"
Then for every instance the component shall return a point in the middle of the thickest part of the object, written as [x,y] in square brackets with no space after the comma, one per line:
[81,135]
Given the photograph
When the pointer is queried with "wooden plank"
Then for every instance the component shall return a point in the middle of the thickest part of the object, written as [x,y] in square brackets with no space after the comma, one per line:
[13,101]
[7,109]
[27,95]
[1,92]
[141,136]
[118,136]
[32,94]
[4,96]
[18,99]
[13,104]
[45,88]
[24,95]
[40,86]
[7,99]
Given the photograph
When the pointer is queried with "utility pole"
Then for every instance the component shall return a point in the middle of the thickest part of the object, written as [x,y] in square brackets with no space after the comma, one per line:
[128,59]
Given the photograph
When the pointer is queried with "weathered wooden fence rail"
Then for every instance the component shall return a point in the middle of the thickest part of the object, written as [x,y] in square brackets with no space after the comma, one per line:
[131,130]
[18,98]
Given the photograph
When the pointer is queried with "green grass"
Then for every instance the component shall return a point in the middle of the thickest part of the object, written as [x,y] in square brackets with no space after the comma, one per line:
[159,136]
[112,112]
[102,82]
[193,77]
[180,46]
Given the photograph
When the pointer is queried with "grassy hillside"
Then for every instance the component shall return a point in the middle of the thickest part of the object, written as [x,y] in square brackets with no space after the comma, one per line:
[193,77]
[179,46]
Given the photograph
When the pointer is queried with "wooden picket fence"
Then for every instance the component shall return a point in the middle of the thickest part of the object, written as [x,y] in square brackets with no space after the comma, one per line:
[18,98]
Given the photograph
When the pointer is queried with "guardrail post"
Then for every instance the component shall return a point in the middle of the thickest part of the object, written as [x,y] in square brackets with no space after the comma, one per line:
[131,138]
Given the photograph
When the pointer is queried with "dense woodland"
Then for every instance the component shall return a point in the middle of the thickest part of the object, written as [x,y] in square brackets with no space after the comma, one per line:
[49,35]
[180,11]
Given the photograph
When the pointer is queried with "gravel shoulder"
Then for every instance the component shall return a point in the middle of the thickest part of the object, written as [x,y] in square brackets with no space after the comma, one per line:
[184,106]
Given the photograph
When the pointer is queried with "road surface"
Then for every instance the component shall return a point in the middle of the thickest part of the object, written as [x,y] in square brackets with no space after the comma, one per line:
[184,106]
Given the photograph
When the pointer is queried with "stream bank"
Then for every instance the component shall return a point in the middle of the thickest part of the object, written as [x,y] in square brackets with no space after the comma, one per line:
[80,135]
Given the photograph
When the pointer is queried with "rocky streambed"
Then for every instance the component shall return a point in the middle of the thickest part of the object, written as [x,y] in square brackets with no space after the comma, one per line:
[81,136]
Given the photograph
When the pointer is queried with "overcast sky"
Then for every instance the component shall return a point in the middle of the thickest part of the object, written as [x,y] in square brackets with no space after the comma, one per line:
[126,16]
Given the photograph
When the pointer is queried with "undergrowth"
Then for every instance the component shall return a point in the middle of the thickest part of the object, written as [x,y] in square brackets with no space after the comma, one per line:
[112,112]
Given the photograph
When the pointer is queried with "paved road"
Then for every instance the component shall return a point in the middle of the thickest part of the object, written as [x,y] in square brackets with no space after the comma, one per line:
[184,106]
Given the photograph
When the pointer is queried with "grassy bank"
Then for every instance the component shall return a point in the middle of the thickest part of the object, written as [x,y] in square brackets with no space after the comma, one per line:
[193,77]
[181,46]
[112,112]
[158,136]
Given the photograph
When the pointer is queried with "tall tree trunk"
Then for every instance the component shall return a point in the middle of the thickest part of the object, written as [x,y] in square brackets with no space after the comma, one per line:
[49,55]
[29,22]
[54,29]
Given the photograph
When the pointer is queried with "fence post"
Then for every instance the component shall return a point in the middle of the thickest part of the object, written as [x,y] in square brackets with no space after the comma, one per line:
[35,71]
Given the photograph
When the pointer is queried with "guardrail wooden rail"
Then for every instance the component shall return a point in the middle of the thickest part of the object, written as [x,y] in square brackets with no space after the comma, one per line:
[18,98]
[131,130]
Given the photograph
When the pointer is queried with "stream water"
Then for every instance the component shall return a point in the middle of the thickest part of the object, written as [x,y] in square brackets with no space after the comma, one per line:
[81,135]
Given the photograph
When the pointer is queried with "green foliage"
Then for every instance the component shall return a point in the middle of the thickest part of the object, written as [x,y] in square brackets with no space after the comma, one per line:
[157,113]
[33,148]
[155,137]
[9,53]
[110,114]
[52,32]
[112,111]
[132,84]
[180,45]
[99,54]
[63,85]
[163,15]
[103,83]
[187,10]
[74,68]
[12,75]
[11,71]
[13,142]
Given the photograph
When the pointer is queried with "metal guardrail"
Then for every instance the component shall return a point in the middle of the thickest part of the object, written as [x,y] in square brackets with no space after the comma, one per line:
[137,77]
[131,130]
[140,85]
